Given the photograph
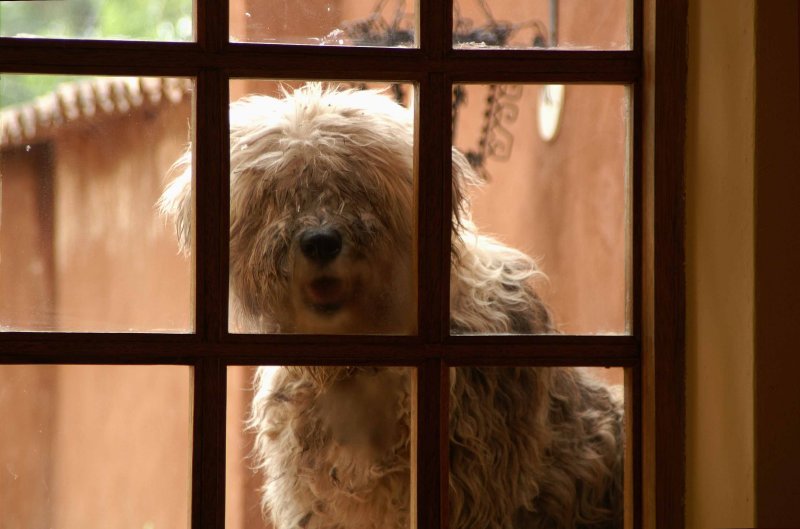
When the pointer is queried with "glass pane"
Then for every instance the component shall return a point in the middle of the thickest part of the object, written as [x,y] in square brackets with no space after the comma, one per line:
[511,24]
[543,240]
[385,23]
[537,447]
[83,162]
[164,20]
[87,447]
[313,446]
[322,209]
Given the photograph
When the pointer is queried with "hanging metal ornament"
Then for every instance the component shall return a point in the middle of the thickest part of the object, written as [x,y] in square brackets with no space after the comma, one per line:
[375,29]
[496,139]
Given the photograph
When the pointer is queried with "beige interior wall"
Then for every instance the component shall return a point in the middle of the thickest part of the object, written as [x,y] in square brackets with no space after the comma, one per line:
[720,265]
[743,253]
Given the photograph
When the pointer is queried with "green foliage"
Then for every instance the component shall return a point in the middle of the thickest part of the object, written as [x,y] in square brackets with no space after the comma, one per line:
[47,18]
[19,88]
[146,19]
[98,19]
[166,20]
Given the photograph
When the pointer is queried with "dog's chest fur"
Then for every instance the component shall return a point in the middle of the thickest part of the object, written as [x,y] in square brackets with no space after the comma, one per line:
[336,448]
[336,444]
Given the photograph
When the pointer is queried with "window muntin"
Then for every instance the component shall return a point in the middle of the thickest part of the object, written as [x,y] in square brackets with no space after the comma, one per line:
[542,24]
[82,245]
[609,67]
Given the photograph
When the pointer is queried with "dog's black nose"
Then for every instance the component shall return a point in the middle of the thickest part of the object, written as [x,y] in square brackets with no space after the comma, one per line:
[321,244]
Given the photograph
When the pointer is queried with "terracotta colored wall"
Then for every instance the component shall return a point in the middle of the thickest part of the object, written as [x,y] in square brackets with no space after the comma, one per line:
[242,497]
[122,447]
[26,260]
[563,202]
[95,446]
[600,24]
[27,409]
[117,263]
[284,20]
[81,247]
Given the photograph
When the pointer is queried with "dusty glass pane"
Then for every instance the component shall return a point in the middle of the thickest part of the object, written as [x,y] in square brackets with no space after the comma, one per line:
[82,164]
[385,23]
[543,241]
[322,209]
[537,447]
[570,24]
[86,447]
[163,20]
[313,446]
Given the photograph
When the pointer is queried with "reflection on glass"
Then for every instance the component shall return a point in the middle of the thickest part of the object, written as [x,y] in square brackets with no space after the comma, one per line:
[385,23]
[543,200]
[536,447]
[497,24]
[82,246]
[322,209]
[510,24]
[319,446]
[164,20]
[86,447]
[477,24]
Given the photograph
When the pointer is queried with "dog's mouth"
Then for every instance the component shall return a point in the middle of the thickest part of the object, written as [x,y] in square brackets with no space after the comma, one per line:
[326,294]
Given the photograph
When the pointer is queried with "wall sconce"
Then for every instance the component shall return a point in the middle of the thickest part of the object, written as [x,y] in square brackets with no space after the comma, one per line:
[551,104]
[551,96]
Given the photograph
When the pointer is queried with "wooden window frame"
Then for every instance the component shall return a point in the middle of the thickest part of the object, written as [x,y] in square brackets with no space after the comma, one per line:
[655,69]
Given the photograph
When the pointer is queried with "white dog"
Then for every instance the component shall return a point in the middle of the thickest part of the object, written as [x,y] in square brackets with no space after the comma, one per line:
[322,235]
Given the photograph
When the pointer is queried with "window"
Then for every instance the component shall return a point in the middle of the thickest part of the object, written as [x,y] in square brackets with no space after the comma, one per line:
[234,47]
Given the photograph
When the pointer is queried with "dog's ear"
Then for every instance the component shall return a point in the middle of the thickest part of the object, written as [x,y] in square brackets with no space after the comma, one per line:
[464,177]
[175,203]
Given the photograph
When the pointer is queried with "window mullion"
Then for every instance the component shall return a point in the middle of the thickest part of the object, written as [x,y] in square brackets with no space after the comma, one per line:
[435,24]
[210,192]
[433,160]
[434,243]
[431,483]
[664,306]
[211,272]
[211,18]
[208,448]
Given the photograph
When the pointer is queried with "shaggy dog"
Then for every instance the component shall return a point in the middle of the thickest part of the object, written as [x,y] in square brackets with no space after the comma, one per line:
[322,241]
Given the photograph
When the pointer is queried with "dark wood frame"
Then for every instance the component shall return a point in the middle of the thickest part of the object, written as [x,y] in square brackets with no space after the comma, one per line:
[655,69]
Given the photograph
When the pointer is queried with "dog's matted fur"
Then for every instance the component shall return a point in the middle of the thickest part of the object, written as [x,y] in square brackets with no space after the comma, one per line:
[322,222]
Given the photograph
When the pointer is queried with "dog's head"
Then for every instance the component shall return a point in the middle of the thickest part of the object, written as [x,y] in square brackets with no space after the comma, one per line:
[322,212]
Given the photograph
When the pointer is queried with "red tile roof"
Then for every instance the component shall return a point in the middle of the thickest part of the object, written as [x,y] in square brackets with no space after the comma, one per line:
[87,100]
